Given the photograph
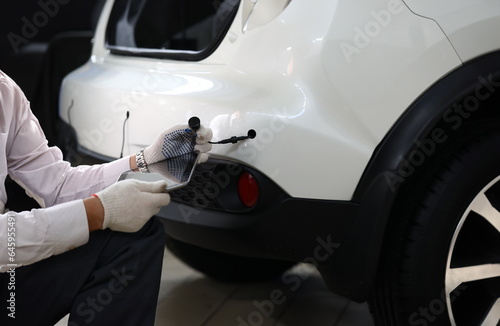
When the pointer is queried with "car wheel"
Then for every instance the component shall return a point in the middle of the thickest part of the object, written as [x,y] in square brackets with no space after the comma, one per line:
[441,259]
[224,267]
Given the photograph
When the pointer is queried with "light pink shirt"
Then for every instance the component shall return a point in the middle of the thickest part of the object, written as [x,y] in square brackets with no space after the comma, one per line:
[24,155]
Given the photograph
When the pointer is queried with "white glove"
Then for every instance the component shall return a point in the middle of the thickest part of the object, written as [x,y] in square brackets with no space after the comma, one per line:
[176,141]
[129,204]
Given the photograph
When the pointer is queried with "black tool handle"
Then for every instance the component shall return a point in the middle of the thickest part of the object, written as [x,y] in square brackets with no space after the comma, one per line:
[233,140]
[194,123]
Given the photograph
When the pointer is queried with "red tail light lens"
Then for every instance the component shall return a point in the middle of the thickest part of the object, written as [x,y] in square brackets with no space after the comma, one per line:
[248,189]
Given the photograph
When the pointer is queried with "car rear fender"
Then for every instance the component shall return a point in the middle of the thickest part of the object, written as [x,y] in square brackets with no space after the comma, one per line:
[464,95]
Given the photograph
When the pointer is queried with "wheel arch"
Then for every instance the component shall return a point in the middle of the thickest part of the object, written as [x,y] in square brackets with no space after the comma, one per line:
[436,115]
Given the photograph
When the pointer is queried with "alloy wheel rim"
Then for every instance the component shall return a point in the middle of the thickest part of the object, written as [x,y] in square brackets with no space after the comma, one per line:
[472,278]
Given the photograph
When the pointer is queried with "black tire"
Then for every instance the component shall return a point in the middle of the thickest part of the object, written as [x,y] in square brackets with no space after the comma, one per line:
[437,235]
[227,268]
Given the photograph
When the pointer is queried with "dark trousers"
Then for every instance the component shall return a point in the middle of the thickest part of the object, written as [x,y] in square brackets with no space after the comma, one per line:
[112,280]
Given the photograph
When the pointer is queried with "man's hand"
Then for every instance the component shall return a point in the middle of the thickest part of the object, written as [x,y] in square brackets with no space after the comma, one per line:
[128,205]
[177,141]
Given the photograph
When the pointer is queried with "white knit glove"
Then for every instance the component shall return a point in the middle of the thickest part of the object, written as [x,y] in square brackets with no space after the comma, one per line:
[129,204]
[176,141]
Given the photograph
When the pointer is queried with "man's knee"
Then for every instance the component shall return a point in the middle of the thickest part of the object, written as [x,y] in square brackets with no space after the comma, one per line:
[155,230]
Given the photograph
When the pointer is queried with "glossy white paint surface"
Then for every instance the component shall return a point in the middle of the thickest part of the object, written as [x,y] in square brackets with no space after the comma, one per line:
[321,84]
[472,26]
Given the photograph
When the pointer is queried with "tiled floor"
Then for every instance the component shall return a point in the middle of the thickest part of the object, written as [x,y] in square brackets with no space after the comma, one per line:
[187,298]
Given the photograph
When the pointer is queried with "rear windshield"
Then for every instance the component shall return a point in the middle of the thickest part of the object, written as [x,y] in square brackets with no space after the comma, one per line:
[177,29]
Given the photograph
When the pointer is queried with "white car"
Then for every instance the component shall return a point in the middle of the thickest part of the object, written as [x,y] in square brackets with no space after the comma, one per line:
[376,156]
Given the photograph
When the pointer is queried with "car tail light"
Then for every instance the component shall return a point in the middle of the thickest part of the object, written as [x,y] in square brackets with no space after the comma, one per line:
[248,189]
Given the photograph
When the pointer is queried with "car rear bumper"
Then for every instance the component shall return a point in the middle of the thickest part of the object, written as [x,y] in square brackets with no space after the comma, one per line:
[207,213]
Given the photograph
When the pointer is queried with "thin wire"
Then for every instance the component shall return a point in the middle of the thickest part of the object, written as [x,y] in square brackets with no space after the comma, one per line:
[123,136]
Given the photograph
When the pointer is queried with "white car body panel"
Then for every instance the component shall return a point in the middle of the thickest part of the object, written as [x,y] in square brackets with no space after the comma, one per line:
[463,21]
[321,95]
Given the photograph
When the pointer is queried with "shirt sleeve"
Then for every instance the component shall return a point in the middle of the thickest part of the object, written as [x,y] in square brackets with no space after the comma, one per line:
[59,188]
[28,237]
[40,169]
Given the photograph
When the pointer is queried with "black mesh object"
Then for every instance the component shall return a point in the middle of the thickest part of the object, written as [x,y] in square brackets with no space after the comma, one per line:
[198,193]
[177,169]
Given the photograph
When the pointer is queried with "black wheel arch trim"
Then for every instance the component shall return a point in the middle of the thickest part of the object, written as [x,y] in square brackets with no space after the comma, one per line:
[353,269]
